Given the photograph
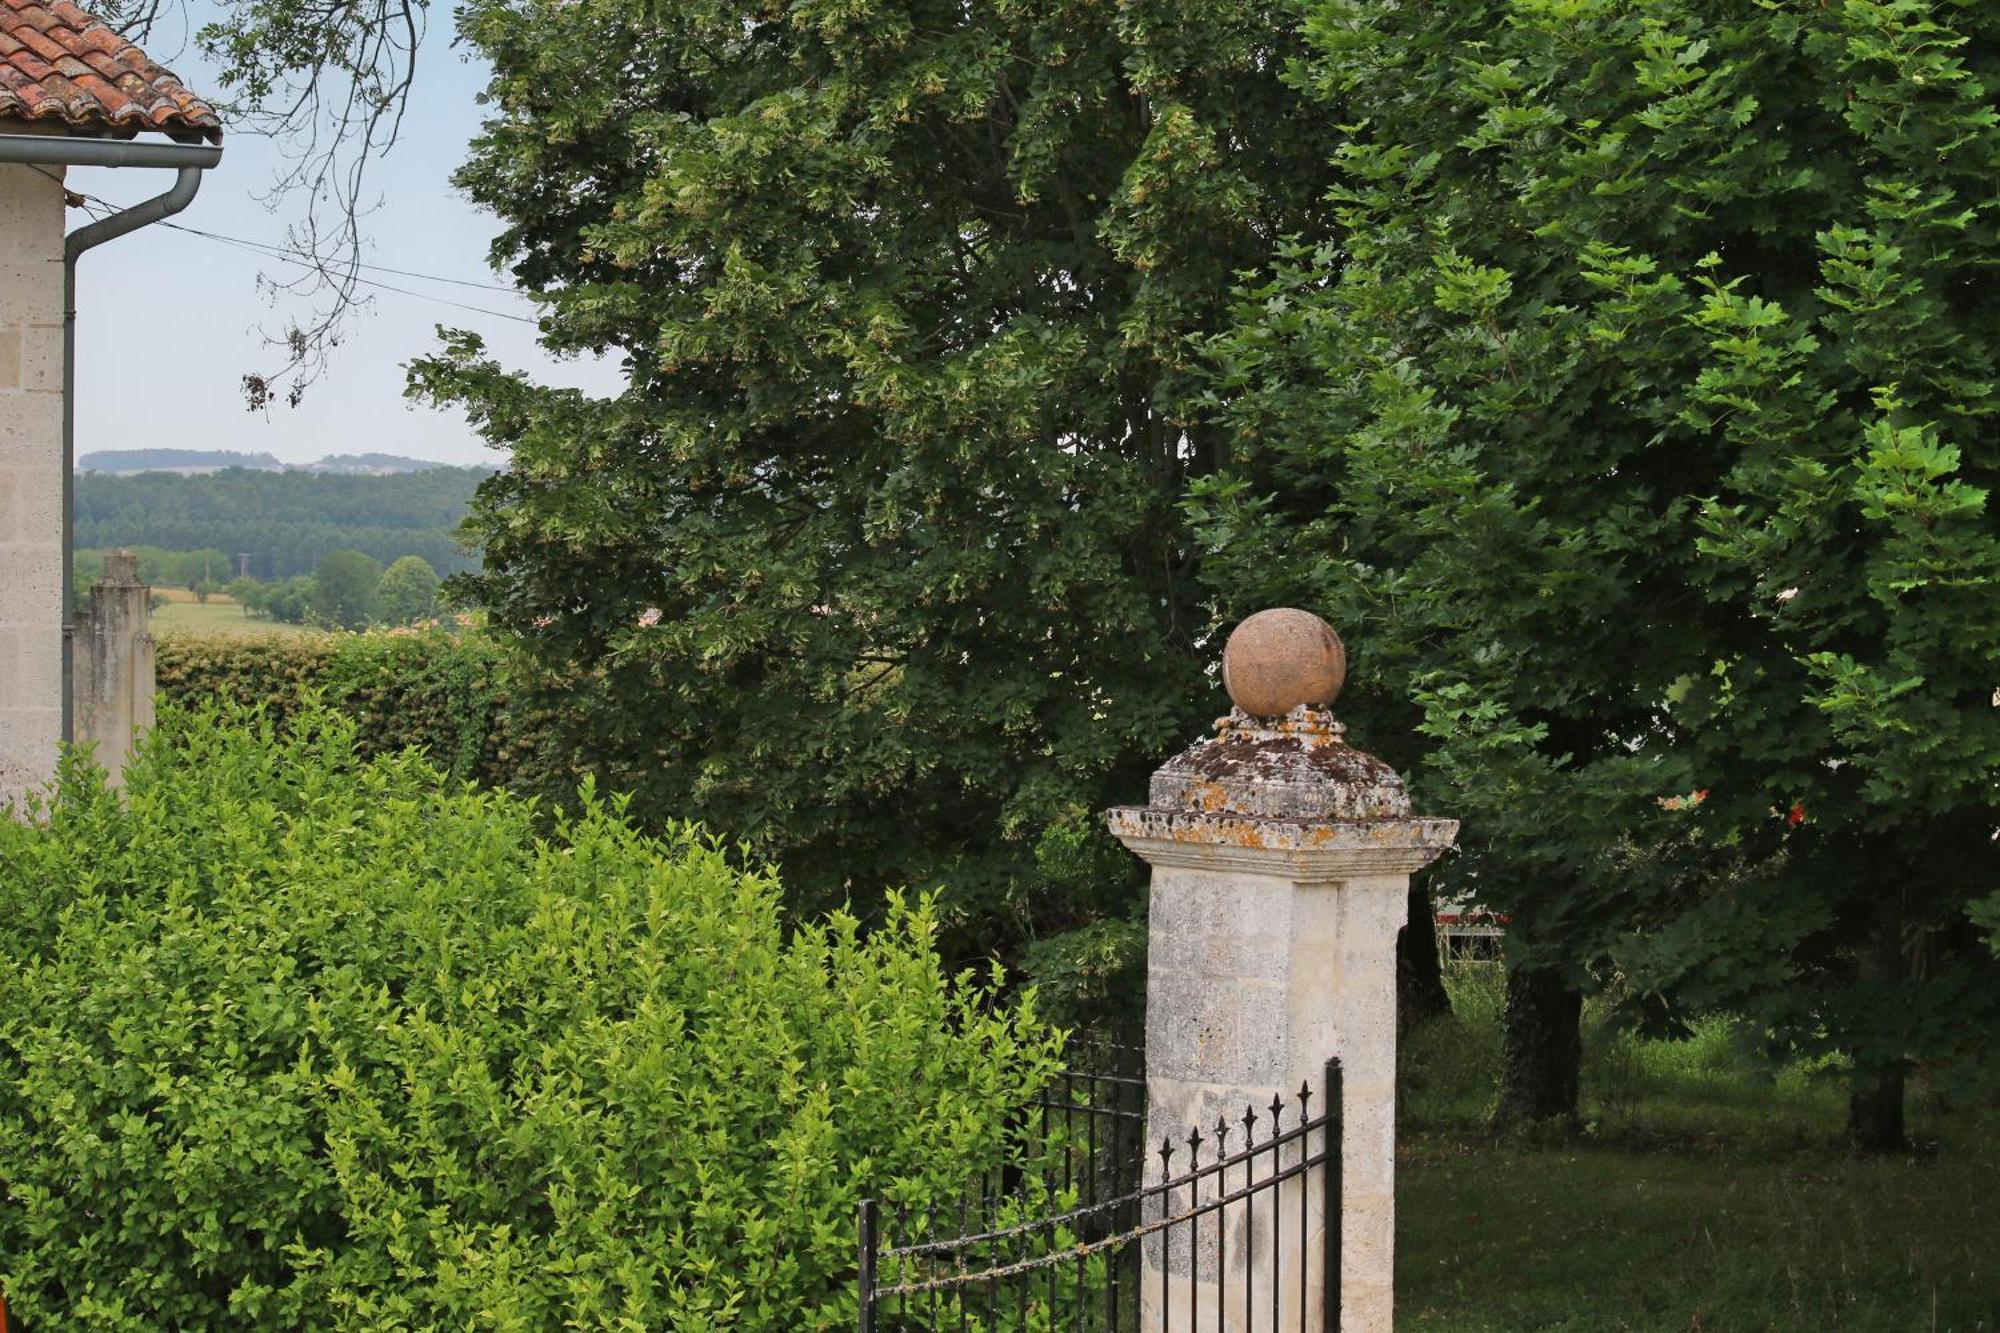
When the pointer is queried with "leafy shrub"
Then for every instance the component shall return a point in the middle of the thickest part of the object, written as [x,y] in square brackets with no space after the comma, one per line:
[291,1039]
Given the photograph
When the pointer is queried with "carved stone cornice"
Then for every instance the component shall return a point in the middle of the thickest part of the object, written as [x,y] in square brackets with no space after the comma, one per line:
[1303,851]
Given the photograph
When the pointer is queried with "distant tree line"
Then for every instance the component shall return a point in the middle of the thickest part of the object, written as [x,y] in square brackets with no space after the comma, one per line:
[284,522]
[346,589]
[194,570]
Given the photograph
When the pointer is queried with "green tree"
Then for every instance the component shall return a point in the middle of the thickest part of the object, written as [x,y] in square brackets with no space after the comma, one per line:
[1643,406]
[86,568]
[189,569]
[344,589]
[408,591]
[290,602]
[247,593]
[877,562]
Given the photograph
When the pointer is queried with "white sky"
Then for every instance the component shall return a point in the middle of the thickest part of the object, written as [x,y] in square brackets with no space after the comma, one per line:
[168,323]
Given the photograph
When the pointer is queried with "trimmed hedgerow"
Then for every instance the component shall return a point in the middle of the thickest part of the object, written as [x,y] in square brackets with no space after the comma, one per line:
[290,1039]
[442,692]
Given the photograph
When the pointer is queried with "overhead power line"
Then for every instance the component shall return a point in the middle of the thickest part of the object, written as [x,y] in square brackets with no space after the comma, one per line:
[287,252]
[300,258]
[284,257]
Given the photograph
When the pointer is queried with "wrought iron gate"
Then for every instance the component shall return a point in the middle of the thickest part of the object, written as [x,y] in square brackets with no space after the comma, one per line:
[1089,1231]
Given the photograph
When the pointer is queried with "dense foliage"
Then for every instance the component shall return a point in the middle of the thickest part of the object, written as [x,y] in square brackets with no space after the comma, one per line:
[293,1040]
[443,693]
[877,562]
[292,601]
[407,592]
[343,589]
[286,522]
[1644,407]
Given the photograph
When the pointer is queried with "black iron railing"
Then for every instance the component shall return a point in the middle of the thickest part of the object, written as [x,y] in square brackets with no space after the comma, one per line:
[1088,1232]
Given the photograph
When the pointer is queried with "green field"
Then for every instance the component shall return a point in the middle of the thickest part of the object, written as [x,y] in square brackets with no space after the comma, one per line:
[1704,1193]
[217,616]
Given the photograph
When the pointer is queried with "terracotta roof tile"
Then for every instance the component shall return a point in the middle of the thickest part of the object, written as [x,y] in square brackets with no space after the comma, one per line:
[58,63]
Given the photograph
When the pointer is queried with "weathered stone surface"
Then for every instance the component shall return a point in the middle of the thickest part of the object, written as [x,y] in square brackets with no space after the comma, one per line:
[1281,860]
[1298,767]
[1283,659]
[31,469]
[1299,851]
[1255,978]
[113,664]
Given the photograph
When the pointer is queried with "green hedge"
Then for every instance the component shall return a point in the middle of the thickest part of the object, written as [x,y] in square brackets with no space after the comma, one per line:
[294,1040]
[451,696]
[442,692]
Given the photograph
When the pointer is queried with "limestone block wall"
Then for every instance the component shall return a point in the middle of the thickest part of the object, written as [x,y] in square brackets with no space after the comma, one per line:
[1253,981]
[31,476]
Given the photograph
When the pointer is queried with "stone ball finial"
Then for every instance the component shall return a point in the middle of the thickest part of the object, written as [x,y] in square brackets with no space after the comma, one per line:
[1281,658]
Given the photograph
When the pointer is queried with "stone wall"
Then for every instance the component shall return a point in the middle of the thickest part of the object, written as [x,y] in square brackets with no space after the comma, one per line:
[31,476]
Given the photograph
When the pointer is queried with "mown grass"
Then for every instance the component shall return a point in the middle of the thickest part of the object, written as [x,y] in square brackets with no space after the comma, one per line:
[1703,1193]
[219,617]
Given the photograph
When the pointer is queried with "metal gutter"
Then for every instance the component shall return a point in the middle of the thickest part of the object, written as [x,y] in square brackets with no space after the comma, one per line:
[58,150]
[189,160]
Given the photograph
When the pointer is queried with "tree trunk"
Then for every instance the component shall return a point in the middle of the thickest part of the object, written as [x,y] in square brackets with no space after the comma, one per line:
[1543,1048]
[1875,1102]
[1875,1114]
[1420,992]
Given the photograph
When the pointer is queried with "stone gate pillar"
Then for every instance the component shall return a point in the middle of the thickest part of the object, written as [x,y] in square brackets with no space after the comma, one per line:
[1281,863]
[113,664]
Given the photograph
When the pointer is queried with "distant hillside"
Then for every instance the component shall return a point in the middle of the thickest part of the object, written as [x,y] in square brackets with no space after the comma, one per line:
[370,465]
[174,460]
[194,462]
[283,520]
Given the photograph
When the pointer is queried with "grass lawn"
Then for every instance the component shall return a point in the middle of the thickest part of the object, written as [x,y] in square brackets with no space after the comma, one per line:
[1704,1194]
[218,616]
